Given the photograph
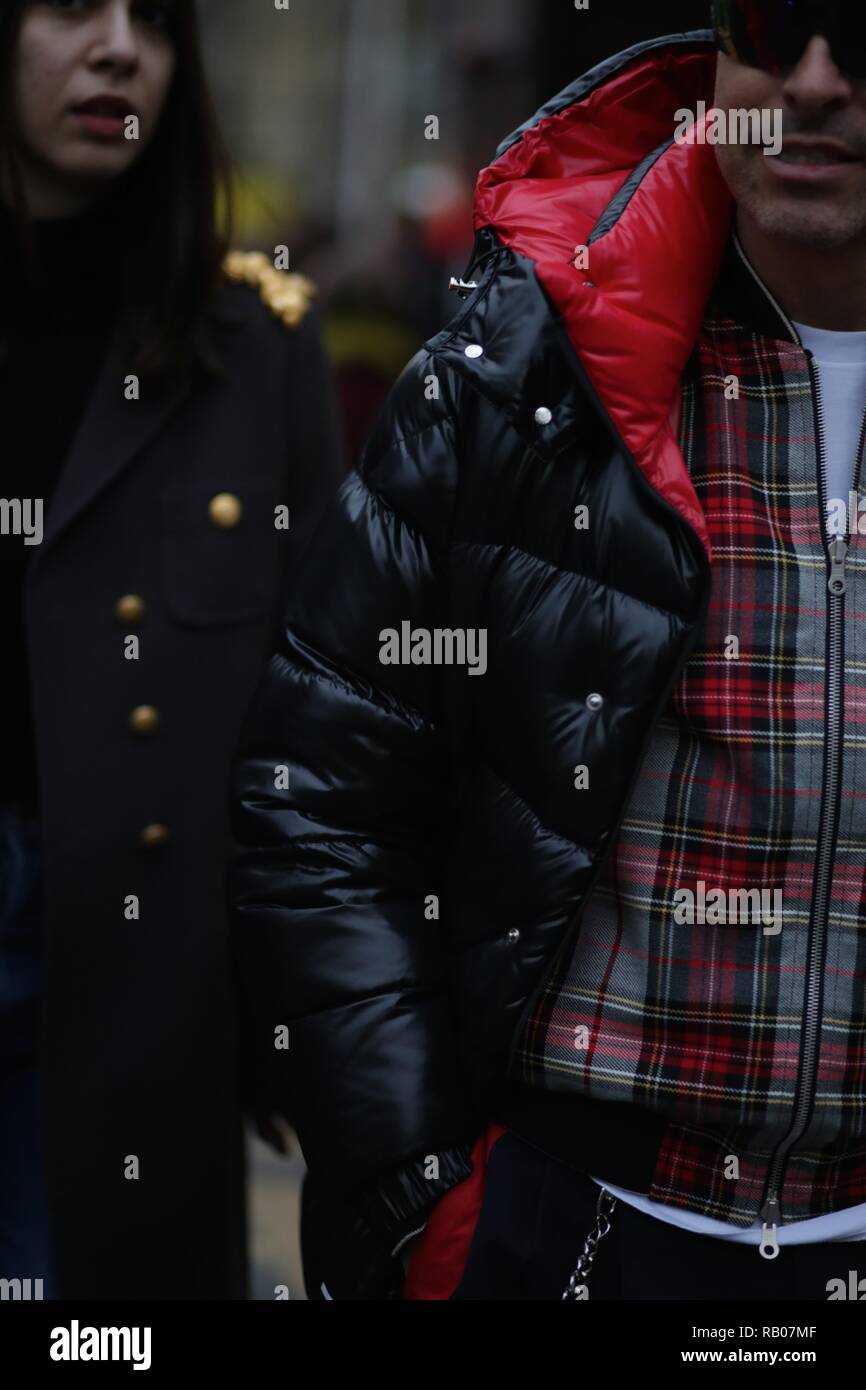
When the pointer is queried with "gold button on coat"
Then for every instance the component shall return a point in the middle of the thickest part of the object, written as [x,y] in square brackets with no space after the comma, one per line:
[129,609]
[225,510]
[144,719]
[152,836]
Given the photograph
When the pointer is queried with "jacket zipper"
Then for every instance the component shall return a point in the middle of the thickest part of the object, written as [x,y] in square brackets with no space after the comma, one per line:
[836,549]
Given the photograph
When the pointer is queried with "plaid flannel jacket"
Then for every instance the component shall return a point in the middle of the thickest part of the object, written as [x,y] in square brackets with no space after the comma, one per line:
[748,1037]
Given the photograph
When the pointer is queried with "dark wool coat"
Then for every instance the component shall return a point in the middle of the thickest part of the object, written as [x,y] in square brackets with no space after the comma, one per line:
[139,1041]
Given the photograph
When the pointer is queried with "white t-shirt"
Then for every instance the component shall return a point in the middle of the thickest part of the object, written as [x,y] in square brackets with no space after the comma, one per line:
[840,361]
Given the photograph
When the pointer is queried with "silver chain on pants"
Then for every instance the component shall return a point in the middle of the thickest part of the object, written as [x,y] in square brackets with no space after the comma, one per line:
[604,1210]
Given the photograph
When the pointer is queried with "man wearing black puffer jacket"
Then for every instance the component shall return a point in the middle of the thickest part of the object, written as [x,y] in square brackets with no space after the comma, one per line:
[550,896]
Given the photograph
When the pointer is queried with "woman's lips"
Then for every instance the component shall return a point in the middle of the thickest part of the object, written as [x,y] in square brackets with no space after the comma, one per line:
[104,117]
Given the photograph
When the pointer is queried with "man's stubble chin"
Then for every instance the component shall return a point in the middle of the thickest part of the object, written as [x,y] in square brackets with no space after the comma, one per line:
[807,218]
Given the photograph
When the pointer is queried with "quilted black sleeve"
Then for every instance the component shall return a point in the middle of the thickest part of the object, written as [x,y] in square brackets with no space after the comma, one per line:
[342,958]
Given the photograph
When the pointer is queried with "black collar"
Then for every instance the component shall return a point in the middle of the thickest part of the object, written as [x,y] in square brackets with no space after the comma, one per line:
[740,293]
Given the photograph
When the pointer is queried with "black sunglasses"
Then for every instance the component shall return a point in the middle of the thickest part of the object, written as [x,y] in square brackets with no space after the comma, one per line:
[772,34]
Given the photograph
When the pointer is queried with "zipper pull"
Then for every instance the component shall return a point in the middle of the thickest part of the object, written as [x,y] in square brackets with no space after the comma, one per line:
[838,551]
[770,1215]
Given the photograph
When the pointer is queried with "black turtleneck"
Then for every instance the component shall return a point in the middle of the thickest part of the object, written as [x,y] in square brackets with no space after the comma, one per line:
[55,329]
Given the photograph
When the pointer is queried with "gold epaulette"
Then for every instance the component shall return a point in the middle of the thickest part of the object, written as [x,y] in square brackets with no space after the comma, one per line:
[288,296]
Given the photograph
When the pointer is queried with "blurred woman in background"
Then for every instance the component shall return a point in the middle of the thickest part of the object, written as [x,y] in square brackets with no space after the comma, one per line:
[167,445]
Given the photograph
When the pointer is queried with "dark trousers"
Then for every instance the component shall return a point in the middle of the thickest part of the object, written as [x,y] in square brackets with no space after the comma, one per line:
[536,1215]
[24,1234]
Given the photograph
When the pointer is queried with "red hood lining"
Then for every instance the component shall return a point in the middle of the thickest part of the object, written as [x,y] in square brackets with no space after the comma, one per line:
[633,315]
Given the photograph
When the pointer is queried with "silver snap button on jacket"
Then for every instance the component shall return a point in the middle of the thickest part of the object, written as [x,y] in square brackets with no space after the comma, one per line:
[594,701]
[543,416]
[474,350]
[514,935]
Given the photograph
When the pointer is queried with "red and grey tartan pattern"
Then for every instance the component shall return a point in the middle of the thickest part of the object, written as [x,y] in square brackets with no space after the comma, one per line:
[702,1023]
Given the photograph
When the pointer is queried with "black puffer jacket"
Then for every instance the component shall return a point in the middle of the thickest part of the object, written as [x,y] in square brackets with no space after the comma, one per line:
[411,784]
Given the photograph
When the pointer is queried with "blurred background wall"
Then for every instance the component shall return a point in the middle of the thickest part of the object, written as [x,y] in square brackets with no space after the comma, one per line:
[326,107]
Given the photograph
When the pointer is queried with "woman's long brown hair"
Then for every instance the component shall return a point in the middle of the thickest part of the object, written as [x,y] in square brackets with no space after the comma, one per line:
[176,202]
